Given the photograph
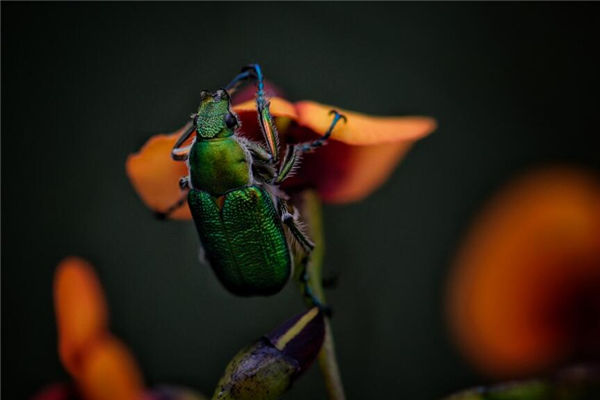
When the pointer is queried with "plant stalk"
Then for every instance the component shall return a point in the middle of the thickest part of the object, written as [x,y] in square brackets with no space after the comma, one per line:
[310,209]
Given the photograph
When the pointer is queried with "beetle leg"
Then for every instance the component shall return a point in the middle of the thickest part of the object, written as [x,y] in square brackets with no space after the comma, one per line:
[308,292]
[290,161]
[262,166]
[291,222]
[247,72]
[181,154]
[294,153]
[178,153]
[265,119]
[267,127]
[258,152]
[321,141]
[179,203]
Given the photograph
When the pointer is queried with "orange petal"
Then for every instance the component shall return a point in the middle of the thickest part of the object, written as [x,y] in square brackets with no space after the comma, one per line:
[155,176]
[526,273]
[278,107]
[344,173]
[110,372]
[249,93]
[361,129]
[361,153]
[81,311]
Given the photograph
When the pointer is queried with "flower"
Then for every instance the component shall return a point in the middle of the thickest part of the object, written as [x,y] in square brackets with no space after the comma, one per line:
[358,158]
[101,364]
[524,294]
[103,368]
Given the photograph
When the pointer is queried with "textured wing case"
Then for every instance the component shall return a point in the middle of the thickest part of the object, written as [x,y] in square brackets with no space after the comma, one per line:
[244,240]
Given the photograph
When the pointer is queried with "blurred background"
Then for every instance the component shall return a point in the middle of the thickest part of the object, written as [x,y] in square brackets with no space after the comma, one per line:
[513,86]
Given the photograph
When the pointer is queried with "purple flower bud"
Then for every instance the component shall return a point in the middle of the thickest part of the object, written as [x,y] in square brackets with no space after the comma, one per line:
[267,368]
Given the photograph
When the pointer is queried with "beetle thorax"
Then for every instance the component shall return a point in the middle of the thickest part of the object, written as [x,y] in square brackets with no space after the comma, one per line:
[219,165]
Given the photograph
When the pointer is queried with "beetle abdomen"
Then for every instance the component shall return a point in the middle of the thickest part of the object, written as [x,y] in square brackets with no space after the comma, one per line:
[244,240]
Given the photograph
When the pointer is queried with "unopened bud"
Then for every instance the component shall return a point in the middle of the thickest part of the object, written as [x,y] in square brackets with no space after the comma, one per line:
[267,368]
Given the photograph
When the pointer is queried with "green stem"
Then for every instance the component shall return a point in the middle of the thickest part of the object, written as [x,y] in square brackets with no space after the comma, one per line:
[310,207]
[329,366]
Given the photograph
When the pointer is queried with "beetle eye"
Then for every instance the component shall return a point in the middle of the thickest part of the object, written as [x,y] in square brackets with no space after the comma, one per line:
[231,121]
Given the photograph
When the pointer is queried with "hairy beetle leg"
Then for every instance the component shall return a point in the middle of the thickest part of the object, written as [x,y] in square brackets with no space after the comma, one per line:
[291,160]
[259,152]
[265,119]
[308,292]
[307,244]
[321,141]
[294,153]
[267,123]
[178,153]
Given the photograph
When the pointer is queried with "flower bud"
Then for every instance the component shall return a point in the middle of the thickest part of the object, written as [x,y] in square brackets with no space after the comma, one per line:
[267,368]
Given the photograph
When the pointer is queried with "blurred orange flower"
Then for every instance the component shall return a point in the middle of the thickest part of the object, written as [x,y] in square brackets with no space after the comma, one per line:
[358,158]
[101,365]
[104,369]
[524,294]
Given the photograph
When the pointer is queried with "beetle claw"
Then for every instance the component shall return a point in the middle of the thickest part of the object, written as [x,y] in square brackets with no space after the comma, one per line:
[251,69]
[338,115]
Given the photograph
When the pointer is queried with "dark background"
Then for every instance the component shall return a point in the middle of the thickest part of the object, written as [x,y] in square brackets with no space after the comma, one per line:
[512,86]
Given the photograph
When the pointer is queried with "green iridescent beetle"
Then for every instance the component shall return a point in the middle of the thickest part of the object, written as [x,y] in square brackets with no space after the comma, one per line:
[245,224]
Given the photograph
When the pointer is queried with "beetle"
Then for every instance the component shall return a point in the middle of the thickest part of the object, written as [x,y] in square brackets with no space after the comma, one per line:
[245,224]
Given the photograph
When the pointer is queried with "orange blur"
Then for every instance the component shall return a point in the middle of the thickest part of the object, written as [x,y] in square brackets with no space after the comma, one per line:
[524,294]
[101,365]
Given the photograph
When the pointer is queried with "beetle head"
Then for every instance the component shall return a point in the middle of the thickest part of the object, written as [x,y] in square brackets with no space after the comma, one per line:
[214,117]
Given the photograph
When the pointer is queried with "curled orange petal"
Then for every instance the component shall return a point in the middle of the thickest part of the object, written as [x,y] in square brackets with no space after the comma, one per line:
[109,372]
[81,312]
[361,153]
[343,173]
[361,129]
[155,176]
[525,291]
